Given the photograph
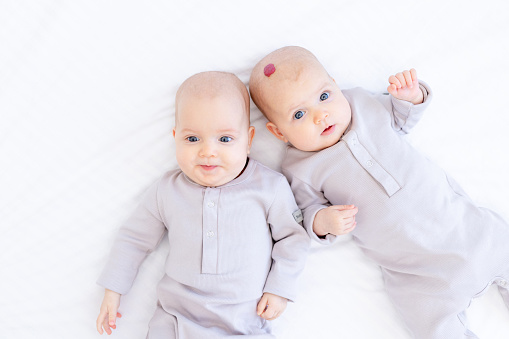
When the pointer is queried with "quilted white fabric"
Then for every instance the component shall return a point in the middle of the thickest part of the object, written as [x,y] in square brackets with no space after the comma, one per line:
[86,111]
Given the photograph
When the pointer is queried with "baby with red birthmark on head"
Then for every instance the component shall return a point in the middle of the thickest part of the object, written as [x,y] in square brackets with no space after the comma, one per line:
[352,172]
[235,238]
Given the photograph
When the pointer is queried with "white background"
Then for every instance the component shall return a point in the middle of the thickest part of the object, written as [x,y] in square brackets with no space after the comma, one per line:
[86,110]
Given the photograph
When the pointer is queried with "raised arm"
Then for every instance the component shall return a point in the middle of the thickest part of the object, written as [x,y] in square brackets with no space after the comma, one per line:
[407,101]
[405,86]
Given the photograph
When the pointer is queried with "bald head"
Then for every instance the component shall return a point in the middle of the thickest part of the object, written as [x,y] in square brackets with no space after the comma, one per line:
[210,85]
[277,68]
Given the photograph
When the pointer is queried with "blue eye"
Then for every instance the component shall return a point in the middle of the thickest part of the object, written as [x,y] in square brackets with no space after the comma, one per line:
[192,139]
[298,115]
[324,96]
[225,139]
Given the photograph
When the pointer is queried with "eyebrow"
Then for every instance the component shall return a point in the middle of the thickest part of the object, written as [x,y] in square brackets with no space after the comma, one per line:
[228,130]
[221,131]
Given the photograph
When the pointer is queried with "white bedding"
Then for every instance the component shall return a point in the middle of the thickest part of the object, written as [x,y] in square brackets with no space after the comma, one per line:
[86,110]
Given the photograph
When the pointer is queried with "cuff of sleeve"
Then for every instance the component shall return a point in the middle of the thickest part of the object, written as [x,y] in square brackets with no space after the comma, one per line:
[282,293]
[424,91]
[406,106]
[402,106]
[285,288]
[117,280]
[309,217]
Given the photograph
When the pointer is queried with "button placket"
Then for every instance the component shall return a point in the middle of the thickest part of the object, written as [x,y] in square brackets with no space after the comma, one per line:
[376,171]
[209,231]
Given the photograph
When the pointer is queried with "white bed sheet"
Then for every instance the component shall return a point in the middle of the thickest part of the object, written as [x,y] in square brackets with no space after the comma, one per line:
[86,110]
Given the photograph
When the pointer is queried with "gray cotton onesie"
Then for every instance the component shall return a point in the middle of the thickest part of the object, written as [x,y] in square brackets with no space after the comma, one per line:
[227,246]
[436,248]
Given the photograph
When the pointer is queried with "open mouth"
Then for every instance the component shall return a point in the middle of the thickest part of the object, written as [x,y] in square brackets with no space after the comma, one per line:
[329,130]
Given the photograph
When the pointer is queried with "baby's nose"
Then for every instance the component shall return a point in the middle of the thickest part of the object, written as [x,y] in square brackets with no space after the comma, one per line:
[208,150]
[320,116]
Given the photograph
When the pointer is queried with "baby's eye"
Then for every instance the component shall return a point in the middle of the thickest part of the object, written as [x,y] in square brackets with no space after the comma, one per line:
[225,139]
[324,96]
[298,115]
[192,139]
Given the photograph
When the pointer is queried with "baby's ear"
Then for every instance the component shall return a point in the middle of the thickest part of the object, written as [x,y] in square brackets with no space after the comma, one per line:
[274,130]
[174,132]
[251,134]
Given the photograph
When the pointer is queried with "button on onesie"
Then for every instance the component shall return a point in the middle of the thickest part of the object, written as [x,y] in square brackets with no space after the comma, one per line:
[437,249]
[225,251]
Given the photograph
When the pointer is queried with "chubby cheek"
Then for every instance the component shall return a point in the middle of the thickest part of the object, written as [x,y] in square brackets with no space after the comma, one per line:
[184,160]
[236,159]
[300,135]
[306,139]
[230,162]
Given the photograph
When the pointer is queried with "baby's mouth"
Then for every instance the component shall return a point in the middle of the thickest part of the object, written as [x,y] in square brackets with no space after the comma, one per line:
[329,130]
[208,167]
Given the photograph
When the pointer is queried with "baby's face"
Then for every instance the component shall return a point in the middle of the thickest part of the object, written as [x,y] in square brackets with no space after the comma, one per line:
[213,138]
[309,112]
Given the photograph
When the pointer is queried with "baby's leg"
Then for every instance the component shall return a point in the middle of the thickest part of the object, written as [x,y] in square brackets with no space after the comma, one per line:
[429,311]
[439,326]
[162,325]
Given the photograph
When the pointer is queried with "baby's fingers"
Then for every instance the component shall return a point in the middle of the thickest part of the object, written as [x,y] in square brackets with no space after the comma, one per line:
[349,227]
[107,327]
[393,80]
[413,74]
[408,79]
[402,79]
[103,323]
[113,314]
[343,207]
[270,314]
[100,320]
[392,89]
[114,325]
[262,305]
[348,213]
[107,321]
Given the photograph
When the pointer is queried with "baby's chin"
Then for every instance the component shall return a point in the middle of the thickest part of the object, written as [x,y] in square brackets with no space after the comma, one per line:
[322,147]
[319,146]
[329,141]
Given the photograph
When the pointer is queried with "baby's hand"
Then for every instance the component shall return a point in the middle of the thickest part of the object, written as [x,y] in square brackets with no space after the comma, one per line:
[405,86]
[271,306]
[337,220]
[108,314]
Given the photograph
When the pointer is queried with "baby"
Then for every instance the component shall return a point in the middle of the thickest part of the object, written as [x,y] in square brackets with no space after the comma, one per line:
[236,245]
[436,248]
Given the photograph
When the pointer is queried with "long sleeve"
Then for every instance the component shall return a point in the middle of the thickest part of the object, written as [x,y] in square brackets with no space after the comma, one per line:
[406,115]
[138,236]
[310,202]
[291,244]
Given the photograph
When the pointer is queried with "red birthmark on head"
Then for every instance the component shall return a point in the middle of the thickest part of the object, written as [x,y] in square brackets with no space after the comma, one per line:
[269,69]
